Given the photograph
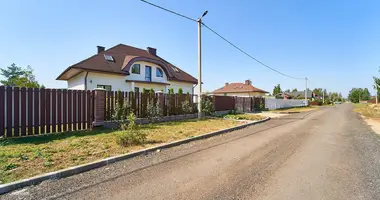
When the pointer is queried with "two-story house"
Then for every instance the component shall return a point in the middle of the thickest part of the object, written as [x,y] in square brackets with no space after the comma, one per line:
[127,68]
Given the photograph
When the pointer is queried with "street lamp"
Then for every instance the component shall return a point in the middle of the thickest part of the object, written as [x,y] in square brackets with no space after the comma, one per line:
[200,65]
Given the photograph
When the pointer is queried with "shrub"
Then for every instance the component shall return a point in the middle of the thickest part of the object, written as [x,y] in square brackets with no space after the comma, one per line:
[186,107]
[232,112]
[151,91]
[171,91]
[130,134]
[122,109]
[153,110]
[207,107]
[180,91]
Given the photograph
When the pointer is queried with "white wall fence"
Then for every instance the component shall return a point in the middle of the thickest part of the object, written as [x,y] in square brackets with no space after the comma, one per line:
[273,104]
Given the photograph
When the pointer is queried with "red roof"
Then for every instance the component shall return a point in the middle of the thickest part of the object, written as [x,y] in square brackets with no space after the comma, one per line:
[238,87]
[124,56]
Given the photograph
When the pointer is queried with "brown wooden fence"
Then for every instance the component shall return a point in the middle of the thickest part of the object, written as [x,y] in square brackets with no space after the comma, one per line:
[34,111]
[240,104]
[171,104]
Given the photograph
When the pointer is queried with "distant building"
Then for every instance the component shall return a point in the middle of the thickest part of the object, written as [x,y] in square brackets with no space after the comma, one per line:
[245,89]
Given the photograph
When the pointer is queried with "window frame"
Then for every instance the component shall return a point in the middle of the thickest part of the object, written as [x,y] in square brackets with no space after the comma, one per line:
[105,87]
[139,69]
[161,71]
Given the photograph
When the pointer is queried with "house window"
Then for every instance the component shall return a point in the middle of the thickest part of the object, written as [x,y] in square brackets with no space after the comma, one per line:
[175,69]
[159,72]
[137,90]
[148,73]
[136,69]
[106,87]
[109,58]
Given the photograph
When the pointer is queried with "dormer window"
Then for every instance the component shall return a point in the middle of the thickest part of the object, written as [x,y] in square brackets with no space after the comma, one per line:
[109,58]
[136,69]
[159,72]
[175,69]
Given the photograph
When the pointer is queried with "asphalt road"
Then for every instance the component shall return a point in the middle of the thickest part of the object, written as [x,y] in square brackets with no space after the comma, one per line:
[325,154]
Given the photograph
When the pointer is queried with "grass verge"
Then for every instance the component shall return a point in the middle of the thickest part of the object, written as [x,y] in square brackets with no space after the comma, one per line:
[368,110]
[26,157]
[251,117]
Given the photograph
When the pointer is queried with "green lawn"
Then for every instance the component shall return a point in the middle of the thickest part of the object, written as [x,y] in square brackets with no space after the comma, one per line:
[26,157]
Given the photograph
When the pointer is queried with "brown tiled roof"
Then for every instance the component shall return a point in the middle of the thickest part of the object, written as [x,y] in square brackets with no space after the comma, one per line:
[238,87]
[123,55]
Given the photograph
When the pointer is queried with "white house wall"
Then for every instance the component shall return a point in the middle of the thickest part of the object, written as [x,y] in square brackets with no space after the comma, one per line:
[76,82]
[116,81]
[148,86]
[186,87]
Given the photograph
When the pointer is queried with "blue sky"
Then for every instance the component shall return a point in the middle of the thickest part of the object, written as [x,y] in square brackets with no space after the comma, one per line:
[336,44]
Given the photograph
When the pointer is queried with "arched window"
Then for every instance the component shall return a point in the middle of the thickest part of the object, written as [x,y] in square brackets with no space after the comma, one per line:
[159,72]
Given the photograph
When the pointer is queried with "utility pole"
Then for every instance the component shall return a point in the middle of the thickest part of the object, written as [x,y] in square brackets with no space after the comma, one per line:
[323,96]
[306,103]
[200,65]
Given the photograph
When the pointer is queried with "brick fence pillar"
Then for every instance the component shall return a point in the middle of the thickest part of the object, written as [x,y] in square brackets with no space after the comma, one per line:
[99,107]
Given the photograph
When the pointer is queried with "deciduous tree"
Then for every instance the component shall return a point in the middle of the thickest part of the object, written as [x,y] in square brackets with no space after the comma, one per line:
[19,77]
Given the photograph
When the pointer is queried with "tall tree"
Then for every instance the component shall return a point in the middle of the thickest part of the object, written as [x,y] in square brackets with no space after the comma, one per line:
[376,87]
[288,90]
[317,91]
[294,90]
[354,95]
[359,94]
[276,90]
[19,77]
[365,95]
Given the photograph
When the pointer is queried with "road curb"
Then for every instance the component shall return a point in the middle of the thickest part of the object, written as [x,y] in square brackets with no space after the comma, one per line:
[294,112]
[5,188]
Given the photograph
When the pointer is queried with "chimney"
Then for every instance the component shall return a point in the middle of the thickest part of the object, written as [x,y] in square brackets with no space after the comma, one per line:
[248,82]
[152,51]
[101,49]
[226,84]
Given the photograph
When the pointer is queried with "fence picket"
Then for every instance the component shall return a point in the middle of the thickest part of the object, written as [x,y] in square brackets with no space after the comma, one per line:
[83,113]
[36,124]
[48,106]
[30,111]
[108,115]
[23,112]
[2,111]
[64,109]
[9,113]
[88,105]
[79,120]
[59,110]
[42,110]
[75,110]
[54,110]
[16,112]
[112,104]
[69,110]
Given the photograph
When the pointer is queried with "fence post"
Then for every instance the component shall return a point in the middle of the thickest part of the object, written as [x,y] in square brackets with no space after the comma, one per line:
[99,107]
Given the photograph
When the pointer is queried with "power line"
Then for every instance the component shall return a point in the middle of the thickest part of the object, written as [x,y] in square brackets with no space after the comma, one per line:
[247,54]
[189,18]
[223,38]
